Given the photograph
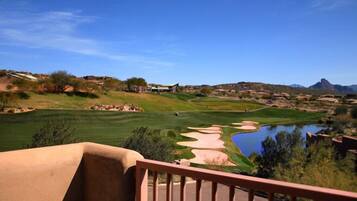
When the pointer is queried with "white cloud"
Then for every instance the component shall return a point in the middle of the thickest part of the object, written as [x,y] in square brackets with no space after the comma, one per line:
[59,30]
[330,4]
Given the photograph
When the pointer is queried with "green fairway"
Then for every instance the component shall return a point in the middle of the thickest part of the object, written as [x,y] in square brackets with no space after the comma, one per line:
[149,102]
[112,127]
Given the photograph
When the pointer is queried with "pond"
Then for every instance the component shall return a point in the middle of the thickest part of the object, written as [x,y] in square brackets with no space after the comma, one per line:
[251,142]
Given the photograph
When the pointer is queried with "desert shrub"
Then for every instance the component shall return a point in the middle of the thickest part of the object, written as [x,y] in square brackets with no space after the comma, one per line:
[60,79]
[152,144]
[82,94]
[135,83]
[341,110]
[286,158]
[206,91]
[45,85]
[53,132]
[23,95]
[91,87]
[171,134]
[25,85]
[2,73]
[77,84]
[318,166]
[114,84]
[7,99]
[10,86]
[354,112]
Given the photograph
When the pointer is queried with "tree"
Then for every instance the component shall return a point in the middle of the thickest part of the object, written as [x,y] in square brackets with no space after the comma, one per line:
[354,112]
[6,99]
[317,165]
[25,85]
[206,91]
[60,80]
[286,158]
[277,151]
[114,84]
[53,132]
[136,84]
[341,110]
[152,144]
[77,84]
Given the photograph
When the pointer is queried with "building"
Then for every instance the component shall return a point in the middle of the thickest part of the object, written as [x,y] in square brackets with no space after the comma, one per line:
[23,76]
[163,88]
[343,144]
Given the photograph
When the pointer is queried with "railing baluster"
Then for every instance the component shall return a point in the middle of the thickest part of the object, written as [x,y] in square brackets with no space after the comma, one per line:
[251,195]
[198,189]
[214,191]
[252,184]
[155,189]
[183,188]
[270,196]
[141,184]
[168,187]
[231,193]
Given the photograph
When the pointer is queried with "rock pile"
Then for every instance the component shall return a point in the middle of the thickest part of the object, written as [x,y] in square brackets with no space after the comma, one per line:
[118,108]
[17,110]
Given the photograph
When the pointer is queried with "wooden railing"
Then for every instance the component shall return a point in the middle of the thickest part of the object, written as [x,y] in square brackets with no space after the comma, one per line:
[252,184]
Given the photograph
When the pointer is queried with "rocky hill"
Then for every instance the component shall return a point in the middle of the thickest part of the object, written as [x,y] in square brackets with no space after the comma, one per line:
[326,85]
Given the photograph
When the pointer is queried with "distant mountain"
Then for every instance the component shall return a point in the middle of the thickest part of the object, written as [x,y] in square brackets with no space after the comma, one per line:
[296,86]
[354,87]
[327,86]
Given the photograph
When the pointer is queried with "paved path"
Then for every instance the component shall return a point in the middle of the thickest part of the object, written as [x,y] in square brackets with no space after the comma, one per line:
[222,192]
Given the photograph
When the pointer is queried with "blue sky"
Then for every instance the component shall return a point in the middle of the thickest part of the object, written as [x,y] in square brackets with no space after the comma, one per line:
[185,41]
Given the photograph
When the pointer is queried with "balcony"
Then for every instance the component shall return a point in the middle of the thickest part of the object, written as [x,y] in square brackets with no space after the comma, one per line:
[88,171]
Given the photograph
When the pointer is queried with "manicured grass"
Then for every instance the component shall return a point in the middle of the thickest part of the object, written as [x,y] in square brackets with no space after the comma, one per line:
[180,96]
[234,153]
[149,102]
[112,128]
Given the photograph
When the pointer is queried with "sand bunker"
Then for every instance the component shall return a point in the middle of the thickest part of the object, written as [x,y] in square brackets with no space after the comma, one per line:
[246,128]
[210,130]
[211,157]
[246,125]
[204,141]
[207,138]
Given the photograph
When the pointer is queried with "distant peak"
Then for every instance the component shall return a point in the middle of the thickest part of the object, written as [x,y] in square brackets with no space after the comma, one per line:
[324,80]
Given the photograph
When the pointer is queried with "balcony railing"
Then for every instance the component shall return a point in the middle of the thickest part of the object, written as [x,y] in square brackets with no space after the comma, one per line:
[251,184]
[91,172]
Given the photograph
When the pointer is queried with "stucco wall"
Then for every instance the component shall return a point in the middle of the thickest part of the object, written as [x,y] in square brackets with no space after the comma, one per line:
[83,171]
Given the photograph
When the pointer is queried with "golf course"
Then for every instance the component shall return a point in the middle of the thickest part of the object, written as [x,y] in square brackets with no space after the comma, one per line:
[167,112]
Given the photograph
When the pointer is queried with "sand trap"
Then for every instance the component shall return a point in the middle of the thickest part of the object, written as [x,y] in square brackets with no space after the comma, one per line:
[246,128]
[207,138]
[212,157]
[204,141]
[250,122]
[210,130]
[246,125]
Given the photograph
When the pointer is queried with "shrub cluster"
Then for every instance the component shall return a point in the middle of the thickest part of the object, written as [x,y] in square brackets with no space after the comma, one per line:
[151,143]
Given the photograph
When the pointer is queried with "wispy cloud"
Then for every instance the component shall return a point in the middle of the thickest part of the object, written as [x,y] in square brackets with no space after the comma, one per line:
[59,30]
[330,4]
